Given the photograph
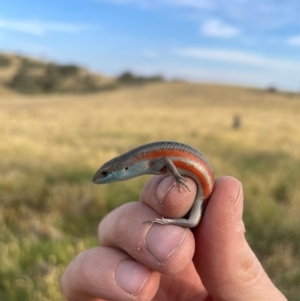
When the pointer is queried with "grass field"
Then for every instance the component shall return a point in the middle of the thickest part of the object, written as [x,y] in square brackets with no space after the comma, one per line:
[52,145]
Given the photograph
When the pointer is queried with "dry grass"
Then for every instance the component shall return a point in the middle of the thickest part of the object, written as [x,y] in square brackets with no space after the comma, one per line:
[51,146]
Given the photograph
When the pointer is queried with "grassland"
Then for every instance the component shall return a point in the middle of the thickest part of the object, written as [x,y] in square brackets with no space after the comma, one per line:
[51,146]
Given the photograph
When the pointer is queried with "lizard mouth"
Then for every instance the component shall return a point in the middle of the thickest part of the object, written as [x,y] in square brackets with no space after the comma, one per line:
[96,177]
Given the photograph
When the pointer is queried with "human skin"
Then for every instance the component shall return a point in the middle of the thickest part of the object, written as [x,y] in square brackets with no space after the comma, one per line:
[145,261]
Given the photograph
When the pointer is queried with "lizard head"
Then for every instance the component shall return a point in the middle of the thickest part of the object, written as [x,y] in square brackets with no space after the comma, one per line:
[119,169]
[108,172]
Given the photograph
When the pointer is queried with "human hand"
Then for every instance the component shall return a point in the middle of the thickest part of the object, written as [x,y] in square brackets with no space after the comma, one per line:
[147,261]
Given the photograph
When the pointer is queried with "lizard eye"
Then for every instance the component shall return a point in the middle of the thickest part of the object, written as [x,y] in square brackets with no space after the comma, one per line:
[126,168]
[104,173]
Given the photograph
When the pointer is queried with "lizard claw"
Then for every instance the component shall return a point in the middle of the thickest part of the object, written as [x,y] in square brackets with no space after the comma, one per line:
[180,181]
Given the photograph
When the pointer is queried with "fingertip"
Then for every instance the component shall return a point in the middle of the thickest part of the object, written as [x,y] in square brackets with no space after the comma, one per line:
[166,197]
[225,206]
[131,276]
[108,274]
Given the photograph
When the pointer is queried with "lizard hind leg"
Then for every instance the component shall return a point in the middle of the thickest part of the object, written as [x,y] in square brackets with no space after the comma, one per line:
[191,222]
[178,177]
[180,181]
[159,166]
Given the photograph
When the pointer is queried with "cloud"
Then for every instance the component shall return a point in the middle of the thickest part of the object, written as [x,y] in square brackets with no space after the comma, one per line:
[294,41]
[38,28]
[237,57]
[259,14]
[255,14]
[217,29]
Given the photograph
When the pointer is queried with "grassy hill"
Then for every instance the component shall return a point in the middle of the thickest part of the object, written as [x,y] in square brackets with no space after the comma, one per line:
[33,76]
[51,146]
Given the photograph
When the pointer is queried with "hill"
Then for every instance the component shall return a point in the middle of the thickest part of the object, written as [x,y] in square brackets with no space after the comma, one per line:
[31,76]
[34,76]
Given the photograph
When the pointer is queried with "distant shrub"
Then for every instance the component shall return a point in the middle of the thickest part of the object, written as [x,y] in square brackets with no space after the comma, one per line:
[28,81]
[30,64]
[67,70]
[129,78]
[51,80]
[4,61]
[272,89]
[90,83]
[24,83]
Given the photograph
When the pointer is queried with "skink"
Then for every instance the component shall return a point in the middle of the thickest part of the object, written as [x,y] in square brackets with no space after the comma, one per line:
[159,158]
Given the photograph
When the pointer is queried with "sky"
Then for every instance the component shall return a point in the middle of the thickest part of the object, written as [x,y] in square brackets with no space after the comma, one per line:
[240,42]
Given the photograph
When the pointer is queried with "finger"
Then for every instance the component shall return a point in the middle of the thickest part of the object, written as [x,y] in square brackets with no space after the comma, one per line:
[164,248]
[168,198]
[108,274]
[185,285]
[226,264]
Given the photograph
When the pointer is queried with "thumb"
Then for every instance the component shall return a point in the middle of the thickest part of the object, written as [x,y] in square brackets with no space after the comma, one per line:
[226,264]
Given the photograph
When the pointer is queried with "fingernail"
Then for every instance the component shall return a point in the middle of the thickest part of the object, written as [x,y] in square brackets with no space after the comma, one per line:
[162,241]
[238,211]
[163,188]
[131,276]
